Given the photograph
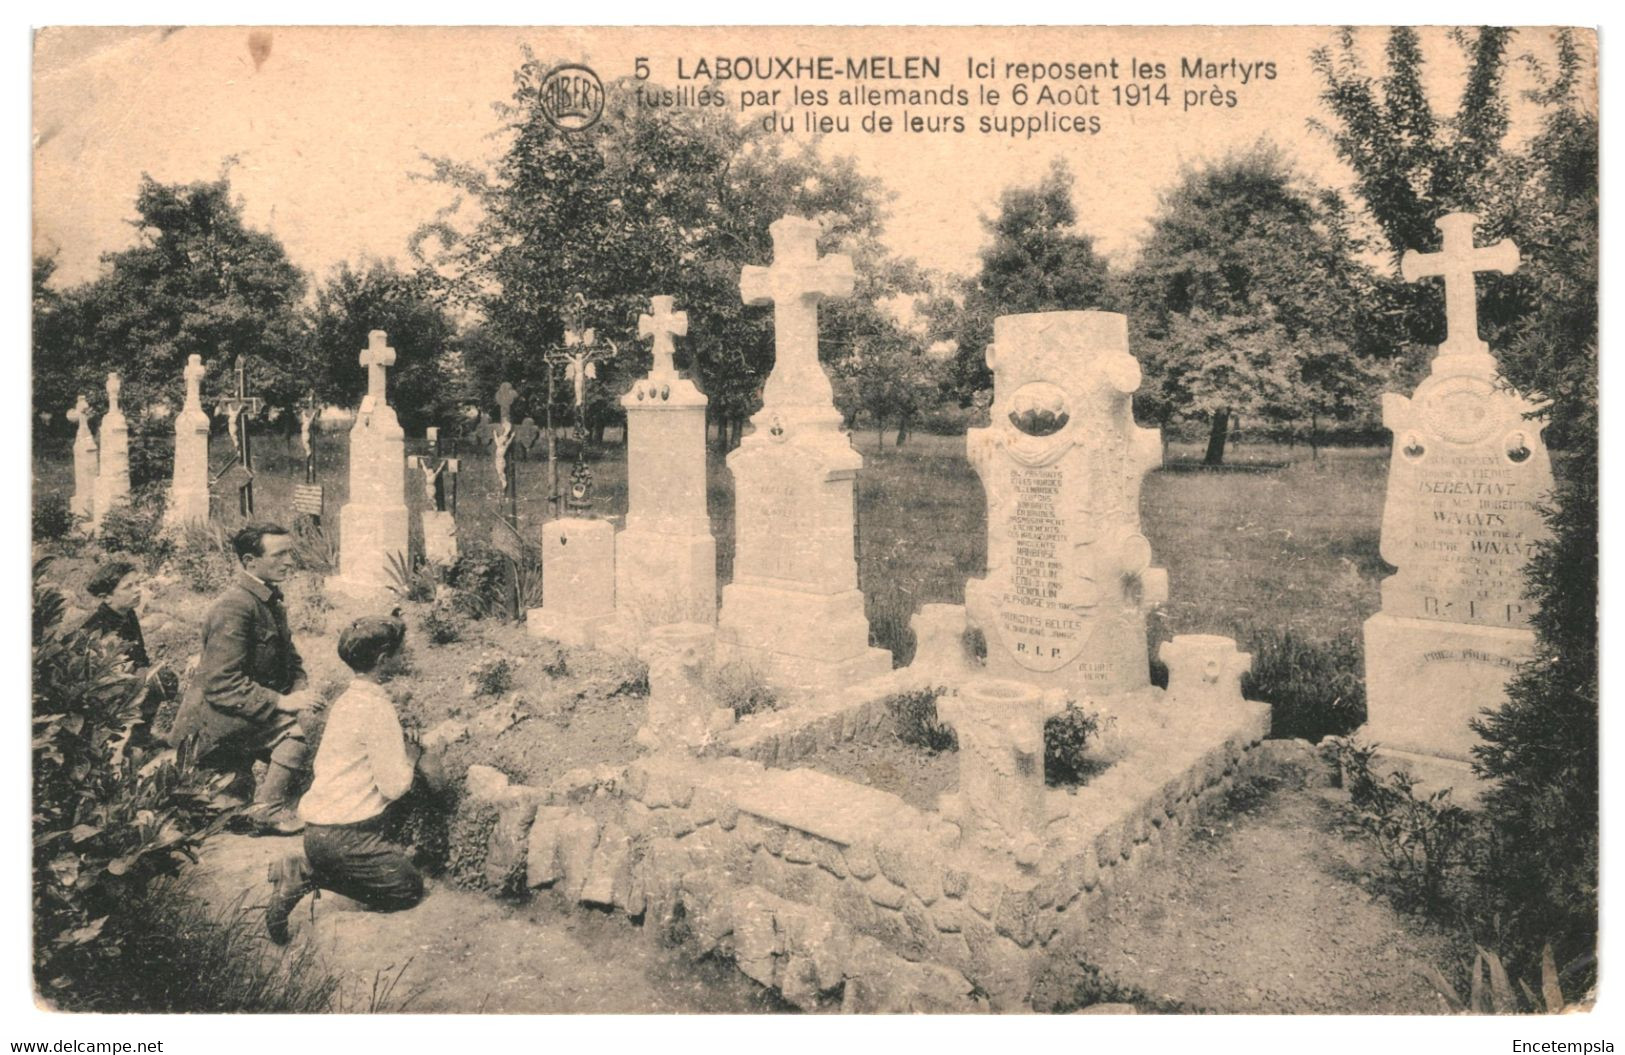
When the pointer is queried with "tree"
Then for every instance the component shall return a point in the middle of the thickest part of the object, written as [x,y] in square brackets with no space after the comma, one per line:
[649,200]
[1249,299]
[1037,260]
[424,388]
[198,281]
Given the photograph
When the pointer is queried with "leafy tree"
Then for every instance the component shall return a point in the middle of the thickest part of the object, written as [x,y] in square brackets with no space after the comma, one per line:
[198,281]
[649,200]
[423,383]
[1037,260]
[1249,299]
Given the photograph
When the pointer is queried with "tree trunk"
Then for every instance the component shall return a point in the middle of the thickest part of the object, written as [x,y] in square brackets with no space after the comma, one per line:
[736,432]
[1216,438]
[902,431]
[1314,428]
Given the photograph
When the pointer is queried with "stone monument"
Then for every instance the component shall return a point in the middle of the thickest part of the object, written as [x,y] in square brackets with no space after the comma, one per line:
[113,474]
[85,465]
[1467,472]
[578,582]
[439,477]
[665,559]
[189,487]
[1069,576]
[1000,726]
[794,610]
[373,524]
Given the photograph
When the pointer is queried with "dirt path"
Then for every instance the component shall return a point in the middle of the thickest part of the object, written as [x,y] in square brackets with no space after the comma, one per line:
[1265,915]
[464,952]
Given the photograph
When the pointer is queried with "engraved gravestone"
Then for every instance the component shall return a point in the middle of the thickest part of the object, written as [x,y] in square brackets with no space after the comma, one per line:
[794,610]
[1466,475]
[189,487]
[666,559]
[113,473]
[373,524]
[1069,575]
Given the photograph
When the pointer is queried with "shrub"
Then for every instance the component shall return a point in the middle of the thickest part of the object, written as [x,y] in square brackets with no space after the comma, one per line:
[313,550]
[468,842]
[203,560]
[410,583]
[441,623]
[1066,743]
[109,818]
[53,517]
[136,527]
[914,717]
[480,580]
[493,677]
[1426,843]
[739,687]
[1315,688]
[152,462]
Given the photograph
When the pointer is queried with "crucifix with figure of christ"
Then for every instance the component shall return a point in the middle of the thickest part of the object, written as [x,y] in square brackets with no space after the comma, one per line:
[580,357]
[1457,263]
[507,471]
[238,408]
[309,496]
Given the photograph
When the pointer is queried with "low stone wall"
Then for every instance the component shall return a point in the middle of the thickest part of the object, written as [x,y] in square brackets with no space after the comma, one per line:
[833,892]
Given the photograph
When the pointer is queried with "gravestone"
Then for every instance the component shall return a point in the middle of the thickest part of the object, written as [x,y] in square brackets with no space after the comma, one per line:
[189,487]
[85,462]
[1000,727]
[373,524]
[578,582]
[1069,575]
[1204,672]
[525,437]
[794,610]
[665,559]
[1466,474]
[113,473]
[439,476]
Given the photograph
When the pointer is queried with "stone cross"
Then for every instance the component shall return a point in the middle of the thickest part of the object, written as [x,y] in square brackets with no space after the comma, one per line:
[506,395]
[377,357]
[114,386]
[795,283]
[194,381]
[81,414]
[1457,263]
[237,407]
[662,325]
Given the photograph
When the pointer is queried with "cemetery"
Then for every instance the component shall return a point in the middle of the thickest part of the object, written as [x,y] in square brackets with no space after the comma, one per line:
[777,719]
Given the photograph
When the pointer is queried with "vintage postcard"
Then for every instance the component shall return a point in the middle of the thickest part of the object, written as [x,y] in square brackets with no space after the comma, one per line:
[722,520]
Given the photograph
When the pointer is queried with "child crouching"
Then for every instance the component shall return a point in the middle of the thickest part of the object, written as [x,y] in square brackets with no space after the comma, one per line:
[363,766]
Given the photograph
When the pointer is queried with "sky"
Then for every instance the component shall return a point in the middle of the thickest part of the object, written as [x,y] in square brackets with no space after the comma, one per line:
[328,126]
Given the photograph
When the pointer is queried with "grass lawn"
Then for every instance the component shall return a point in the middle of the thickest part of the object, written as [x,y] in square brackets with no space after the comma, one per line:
[1275,540]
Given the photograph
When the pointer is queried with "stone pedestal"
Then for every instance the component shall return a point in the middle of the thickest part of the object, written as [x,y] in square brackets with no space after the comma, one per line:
[113,470]
[940,656]
[666,558]
[681,713]
[374,524]
[439,537]
[578,582]
[85,463]
[1069,577]
[1204,672]
[1000,801]
[189,487]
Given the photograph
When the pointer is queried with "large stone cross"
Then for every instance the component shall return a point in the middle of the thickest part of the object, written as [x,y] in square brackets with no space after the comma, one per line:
[795,283]
[376,357]
[193,375]
[1456,263]
[662,326]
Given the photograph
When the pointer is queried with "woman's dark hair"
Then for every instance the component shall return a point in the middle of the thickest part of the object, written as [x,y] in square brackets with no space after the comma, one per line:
[369,640]
[107,577]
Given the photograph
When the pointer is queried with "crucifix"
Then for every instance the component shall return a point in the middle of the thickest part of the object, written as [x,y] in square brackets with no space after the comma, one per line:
[501,441]
[377,357]
[1456,263]
[797,280]
[238,408]
[579,357]
[439,475]
[662,326]
[308,497]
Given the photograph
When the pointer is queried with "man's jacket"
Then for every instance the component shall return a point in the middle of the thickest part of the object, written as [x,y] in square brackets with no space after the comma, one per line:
[248,663]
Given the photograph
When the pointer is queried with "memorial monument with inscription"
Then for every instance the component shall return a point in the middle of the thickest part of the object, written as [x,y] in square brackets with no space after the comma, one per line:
[794,610]
[373,524]
[1069,575]
[1466,477]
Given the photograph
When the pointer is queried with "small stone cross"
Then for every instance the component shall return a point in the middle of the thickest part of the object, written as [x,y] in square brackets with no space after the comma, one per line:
[193,375]
[662,326]
[81,412]
[1456,263]
[795,283]
[376,357]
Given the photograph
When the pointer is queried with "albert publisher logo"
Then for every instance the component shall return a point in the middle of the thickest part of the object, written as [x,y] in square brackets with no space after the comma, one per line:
[572,97]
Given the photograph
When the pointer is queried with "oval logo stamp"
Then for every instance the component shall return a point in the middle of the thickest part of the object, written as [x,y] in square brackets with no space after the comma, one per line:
[572,97]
